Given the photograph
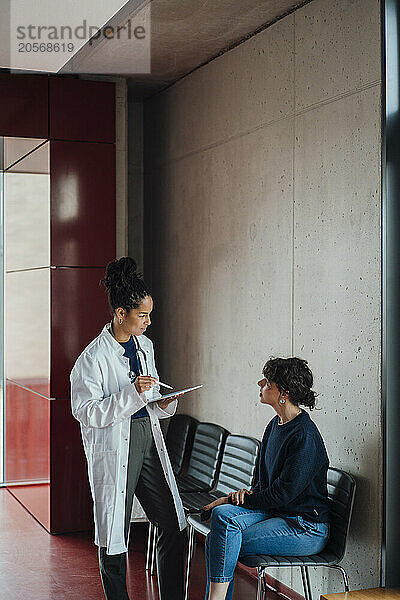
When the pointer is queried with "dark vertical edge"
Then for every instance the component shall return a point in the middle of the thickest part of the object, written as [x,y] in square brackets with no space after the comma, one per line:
[383,196]
[135,181]
[391,292]
[148,199]
[48,108]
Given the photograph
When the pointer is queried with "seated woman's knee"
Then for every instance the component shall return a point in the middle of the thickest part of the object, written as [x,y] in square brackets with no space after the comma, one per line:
[224,513]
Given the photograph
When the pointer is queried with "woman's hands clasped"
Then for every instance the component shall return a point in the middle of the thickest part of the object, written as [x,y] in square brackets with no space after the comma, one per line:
[237,498]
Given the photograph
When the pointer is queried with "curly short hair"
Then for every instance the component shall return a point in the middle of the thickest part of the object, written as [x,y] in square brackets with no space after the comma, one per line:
[126,288]
[292,375]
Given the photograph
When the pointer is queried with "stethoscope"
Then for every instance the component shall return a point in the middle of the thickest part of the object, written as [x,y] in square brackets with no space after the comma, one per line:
[139,349]
[132,375]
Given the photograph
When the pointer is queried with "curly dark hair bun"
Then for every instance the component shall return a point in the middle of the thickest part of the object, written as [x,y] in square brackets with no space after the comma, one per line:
[310,400]
[120,273]
[292,375]
[125,286]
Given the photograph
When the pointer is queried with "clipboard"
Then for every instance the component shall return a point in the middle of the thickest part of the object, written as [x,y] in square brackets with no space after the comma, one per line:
[185,391]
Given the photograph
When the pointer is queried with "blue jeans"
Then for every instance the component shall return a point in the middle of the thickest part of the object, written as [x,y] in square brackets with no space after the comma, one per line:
[237,531]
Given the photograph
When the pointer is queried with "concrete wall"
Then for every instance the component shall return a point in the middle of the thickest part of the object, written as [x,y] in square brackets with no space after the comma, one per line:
[262,237]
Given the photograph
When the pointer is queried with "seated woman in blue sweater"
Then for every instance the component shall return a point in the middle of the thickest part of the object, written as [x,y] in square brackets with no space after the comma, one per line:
[286,513]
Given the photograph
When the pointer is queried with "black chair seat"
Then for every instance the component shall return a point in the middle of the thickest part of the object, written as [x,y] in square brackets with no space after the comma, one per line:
[194,501]
[264,560]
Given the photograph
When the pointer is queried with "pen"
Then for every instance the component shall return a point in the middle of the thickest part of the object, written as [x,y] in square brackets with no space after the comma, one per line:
[165,385]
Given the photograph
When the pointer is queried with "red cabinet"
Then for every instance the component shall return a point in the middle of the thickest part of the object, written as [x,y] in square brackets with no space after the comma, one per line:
[24,105]
[70,499]
[79,310]
[82,110]
[82,203]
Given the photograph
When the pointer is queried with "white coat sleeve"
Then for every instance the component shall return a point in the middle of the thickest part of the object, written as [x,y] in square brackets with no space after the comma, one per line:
[166,413]
[88,404]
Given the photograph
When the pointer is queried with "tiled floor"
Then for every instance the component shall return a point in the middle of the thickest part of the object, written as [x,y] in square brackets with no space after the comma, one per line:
[37,566]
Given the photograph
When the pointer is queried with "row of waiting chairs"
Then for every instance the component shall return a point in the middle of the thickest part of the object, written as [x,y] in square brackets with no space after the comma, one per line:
[209,462]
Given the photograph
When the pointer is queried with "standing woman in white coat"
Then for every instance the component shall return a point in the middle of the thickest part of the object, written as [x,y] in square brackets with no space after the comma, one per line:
[115,397]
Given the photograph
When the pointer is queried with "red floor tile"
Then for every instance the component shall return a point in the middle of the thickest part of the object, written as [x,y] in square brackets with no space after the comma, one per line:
[36,499]
[35,565]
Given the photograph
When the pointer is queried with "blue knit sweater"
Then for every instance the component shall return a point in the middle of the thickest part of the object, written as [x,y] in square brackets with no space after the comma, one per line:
[292,471]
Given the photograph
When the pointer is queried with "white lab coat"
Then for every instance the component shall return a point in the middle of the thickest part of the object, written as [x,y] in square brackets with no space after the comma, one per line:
[103,400]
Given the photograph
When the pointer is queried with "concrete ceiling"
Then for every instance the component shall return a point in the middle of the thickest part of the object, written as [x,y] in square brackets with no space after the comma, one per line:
[184,35]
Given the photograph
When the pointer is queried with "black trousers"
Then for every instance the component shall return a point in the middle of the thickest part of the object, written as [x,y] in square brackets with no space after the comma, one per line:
[146,480]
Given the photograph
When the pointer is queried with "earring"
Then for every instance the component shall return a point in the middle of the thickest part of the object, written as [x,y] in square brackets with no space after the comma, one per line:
[120,321]
[282,400]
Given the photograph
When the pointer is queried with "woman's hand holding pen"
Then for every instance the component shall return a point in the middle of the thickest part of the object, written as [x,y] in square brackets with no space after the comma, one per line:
[144,383]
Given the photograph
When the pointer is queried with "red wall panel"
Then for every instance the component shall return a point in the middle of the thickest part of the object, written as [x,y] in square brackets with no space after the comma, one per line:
[71,504]
[79,312]
[82,110]
[27,435]
[24,105]
[82,204]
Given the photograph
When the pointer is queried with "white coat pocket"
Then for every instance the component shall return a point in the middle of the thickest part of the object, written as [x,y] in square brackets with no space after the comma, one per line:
[104,467]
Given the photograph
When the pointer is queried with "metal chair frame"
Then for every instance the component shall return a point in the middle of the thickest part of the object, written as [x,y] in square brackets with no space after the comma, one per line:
[305,576]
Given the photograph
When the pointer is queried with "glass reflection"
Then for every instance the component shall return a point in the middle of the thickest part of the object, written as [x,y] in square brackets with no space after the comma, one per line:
[27,262]
[27,212]
[27,328]
[18,150]
[26,205]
